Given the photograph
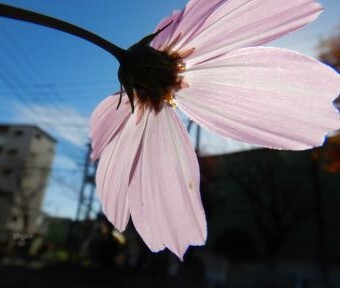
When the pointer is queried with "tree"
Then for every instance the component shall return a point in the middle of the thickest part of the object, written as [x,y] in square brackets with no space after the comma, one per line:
[330,50]
[275,197]
[266,187]
[330,55]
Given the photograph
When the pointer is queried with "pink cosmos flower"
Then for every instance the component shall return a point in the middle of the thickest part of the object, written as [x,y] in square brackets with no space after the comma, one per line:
[206,64]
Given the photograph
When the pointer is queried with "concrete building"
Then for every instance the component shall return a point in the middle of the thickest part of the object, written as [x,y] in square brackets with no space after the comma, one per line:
[26,155]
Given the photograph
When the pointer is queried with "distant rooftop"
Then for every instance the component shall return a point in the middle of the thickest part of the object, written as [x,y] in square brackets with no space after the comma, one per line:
[25,126]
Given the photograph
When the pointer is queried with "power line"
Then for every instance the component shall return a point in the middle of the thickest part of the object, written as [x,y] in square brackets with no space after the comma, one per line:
[11,77]
[8,77]
[33,74]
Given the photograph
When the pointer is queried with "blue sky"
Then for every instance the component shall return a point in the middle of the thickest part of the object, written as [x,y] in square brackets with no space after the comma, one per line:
[55,80]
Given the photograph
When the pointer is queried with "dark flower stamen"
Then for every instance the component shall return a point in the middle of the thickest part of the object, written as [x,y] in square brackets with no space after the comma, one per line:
[150,75]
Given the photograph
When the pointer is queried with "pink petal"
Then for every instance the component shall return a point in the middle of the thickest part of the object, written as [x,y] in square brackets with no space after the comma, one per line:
[265,96]
[164,196]
[114,168]
[165,36]
[242,23]
[186,22]
[106,122]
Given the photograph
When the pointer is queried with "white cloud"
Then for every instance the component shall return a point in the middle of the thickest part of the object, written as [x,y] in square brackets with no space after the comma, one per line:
[61,161]
[61,121]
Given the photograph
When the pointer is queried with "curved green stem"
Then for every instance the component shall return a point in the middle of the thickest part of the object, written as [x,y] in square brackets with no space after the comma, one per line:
[40,19]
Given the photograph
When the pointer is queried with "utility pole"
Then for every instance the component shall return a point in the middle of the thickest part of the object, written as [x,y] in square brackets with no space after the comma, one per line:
[84,207]
[198,140]
[198,136]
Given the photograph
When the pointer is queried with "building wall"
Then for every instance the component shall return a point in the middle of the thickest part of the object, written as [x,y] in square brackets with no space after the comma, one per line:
[26,155]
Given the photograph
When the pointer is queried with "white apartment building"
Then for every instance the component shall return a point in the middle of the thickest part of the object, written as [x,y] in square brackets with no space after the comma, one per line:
[26,155]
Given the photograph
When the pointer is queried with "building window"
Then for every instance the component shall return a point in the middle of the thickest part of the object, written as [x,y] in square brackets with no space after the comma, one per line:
[1,149]
[3,130]
[33,155]
[7,172]
[38,136]
[12,152]
[14,218]
[18,133]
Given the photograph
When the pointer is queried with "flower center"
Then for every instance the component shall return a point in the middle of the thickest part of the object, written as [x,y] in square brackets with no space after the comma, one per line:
[150,76]
[158,78]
